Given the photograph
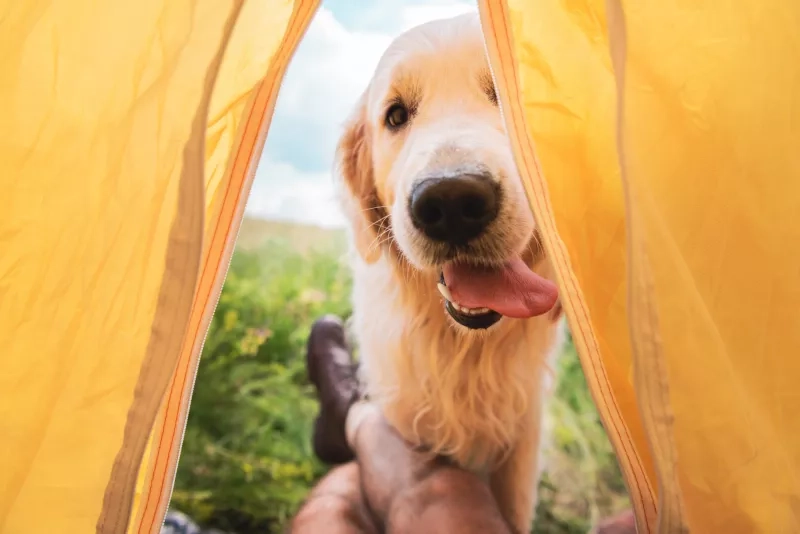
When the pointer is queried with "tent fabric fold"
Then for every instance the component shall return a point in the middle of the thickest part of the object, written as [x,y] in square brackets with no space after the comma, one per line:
[657,145]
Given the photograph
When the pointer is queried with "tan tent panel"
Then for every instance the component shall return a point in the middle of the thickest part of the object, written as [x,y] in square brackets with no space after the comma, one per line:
[665,178]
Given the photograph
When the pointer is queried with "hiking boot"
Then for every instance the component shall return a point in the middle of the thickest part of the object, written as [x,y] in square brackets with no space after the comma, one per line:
[332,371]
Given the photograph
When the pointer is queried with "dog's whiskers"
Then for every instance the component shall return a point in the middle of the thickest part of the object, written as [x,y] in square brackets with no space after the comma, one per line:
[378,224]
[536,247]
[377,241]
[385,208]
[383,237]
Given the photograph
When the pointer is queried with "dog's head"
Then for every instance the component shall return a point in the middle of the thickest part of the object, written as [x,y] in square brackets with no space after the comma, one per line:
[432,180]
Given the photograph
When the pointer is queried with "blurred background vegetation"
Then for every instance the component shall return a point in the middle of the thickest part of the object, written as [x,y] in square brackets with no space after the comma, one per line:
[246,462]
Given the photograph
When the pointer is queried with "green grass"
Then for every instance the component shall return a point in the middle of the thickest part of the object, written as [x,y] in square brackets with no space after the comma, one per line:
[246,462]
[301,238]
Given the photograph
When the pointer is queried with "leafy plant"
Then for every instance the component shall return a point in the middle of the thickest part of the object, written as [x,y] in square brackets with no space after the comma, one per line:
[247,462]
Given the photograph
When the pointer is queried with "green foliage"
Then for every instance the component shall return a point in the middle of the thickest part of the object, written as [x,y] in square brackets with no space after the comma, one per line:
[246,461]
[247,464]
[582,483]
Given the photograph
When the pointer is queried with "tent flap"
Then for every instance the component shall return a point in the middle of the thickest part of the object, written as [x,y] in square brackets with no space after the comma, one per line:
[657,143]
[128,149]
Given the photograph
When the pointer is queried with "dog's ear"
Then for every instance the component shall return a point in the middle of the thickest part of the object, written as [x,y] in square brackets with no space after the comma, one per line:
[354,160]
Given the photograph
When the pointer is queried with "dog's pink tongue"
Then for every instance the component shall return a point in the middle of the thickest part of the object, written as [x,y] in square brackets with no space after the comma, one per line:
[512,290]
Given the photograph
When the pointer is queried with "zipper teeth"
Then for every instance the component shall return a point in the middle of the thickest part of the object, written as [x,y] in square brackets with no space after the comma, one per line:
[194,380]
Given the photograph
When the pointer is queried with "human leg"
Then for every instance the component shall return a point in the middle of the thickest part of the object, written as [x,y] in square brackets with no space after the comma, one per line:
[336,506]
[412,493]
[406,491]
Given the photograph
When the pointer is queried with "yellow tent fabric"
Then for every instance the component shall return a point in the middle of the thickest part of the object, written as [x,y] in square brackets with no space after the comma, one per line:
[130,139]
[657,146]
[665,177]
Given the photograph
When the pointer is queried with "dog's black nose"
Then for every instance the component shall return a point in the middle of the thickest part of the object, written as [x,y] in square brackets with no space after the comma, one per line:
[454,210]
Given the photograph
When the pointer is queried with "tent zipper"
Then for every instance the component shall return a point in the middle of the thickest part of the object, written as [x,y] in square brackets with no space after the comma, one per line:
[302,14]
[194,381]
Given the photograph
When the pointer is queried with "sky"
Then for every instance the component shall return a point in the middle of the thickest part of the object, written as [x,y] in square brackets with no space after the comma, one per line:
[330,69]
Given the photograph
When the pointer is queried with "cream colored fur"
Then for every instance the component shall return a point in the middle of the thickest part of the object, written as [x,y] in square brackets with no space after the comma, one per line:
[476,396]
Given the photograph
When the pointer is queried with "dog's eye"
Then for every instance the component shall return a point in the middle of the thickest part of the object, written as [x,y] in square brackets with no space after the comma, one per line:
[396,116]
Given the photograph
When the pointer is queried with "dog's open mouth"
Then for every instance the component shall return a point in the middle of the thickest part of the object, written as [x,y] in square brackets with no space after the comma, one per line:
[476,297]
[472,318]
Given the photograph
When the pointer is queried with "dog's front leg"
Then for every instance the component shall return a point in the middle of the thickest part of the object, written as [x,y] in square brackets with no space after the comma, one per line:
[514,482]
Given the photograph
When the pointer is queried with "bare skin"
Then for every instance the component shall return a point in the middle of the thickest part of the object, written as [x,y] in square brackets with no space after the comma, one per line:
[336,506]
[403,491]
[382,485]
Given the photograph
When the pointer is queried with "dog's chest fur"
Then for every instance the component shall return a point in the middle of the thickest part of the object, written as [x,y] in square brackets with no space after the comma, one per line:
[463,394]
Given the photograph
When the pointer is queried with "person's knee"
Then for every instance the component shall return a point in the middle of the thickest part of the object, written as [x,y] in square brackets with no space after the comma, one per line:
[329,505]
[449,498]
[335,505]
[343,480]
[452,483]
[333,514]
[441,485]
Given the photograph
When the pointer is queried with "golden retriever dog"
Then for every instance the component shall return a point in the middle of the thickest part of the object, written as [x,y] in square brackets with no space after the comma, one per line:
[453,304]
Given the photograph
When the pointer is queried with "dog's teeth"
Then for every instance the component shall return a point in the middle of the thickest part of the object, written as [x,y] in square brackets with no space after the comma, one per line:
[458,307]
[445,292]
[472,311]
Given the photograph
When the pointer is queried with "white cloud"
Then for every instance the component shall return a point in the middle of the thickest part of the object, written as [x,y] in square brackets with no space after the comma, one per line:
[282,192]
[329,71]
[418,14]
[394,16]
